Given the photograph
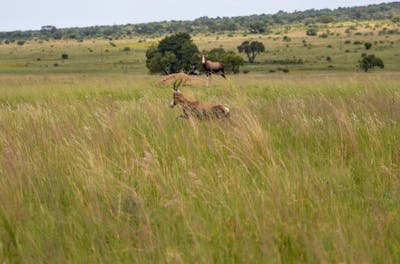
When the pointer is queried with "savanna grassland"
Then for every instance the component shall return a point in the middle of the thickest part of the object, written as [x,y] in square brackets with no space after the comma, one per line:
[95,166]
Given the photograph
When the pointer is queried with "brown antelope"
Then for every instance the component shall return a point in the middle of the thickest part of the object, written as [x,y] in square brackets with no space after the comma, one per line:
[212,67]
[196,108]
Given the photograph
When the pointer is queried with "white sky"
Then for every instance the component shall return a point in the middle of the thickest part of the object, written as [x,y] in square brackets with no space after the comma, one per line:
[32,14]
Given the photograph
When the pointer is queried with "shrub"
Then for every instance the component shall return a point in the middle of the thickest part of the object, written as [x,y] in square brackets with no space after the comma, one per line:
[21,42]
[369,62]
[64,56]
[367,45]
[311,32]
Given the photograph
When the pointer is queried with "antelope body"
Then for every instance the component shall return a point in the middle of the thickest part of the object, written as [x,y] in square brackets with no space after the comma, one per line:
[196,108]
[212,66]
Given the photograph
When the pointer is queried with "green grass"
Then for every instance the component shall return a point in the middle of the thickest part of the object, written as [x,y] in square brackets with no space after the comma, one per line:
[100,57]
[96,168]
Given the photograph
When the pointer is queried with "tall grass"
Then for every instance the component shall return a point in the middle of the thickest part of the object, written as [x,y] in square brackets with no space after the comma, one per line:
[98,169]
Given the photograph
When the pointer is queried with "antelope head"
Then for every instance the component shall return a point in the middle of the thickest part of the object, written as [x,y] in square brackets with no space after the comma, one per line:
[203,57]
[177,95]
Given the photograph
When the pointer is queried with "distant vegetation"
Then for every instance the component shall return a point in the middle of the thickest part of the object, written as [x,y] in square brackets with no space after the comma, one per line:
[254,24]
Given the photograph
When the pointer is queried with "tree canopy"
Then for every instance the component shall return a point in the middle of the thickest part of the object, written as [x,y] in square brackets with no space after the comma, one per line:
[369,62]
[251,49]
[173,54]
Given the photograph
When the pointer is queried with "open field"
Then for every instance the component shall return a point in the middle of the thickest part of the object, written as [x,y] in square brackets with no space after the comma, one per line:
[96,168]
[105,56]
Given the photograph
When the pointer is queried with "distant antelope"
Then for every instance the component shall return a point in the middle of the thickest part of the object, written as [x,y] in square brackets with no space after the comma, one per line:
[196,108]
[212,67]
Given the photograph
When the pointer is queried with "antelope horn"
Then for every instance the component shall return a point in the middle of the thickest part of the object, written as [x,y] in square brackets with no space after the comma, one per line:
[177,83]
[175,87]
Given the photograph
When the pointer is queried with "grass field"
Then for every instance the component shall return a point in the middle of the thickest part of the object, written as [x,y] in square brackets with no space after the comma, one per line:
[104,56]
[99,169]
[96,168]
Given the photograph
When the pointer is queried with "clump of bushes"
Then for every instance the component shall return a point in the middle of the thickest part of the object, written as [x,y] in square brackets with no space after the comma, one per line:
[311,32]
[64,56]
[367,45]
[284,61]
[369,62]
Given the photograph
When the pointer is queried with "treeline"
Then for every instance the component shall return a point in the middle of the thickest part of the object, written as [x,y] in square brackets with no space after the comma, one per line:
[250,24]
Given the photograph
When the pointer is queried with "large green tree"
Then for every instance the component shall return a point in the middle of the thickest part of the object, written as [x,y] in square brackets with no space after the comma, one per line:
[173,54]
[251,49]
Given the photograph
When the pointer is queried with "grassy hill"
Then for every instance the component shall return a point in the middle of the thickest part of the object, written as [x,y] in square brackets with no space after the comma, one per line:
[261,23]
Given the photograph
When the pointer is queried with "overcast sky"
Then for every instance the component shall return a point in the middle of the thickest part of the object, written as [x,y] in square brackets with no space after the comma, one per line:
[32,14]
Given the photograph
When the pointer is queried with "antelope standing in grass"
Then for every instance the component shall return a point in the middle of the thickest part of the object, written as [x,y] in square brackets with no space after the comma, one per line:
[212,67]
[196,108]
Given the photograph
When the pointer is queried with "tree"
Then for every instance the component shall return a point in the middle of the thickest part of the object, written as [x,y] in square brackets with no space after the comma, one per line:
[369,62]
[173,54]
[251,49]
[160,63]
